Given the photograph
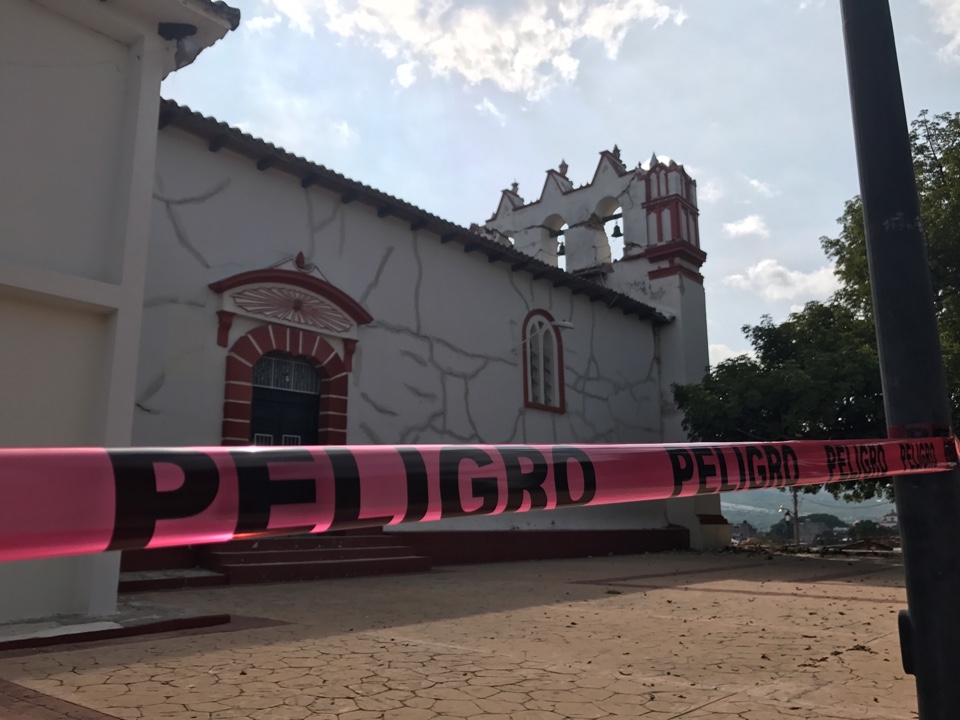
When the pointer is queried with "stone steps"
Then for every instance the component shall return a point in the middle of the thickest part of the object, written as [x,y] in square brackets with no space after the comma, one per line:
[291,571]
[220,559]
[174,579]
[315,557]
[310,542]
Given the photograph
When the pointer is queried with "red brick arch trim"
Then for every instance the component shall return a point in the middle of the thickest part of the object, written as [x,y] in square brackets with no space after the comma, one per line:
[305,282]
[238,391]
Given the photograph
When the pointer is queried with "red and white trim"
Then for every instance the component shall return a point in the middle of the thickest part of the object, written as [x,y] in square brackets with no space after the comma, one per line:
[238,390]
[561,402]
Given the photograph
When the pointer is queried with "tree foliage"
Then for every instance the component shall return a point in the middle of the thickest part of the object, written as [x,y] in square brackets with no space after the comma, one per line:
[869,529]
[936,151]
[831,521]
[816,375]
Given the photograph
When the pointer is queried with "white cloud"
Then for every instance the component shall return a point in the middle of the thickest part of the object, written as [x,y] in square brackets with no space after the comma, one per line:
[775,282]
[298,122]
[486,106]
[345,134]
[680,17]
[710,191]
[261,23]
[947,14]
[720,352]
[297,12]
[750,225]
[763,189]
[527,50]
[406,75]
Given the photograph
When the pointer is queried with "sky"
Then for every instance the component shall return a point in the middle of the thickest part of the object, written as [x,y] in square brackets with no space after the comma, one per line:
[444,103]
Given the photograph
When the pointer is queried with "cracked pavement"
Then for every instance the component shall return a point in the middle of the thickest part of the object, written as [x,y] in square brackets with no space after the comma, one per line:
[673,635]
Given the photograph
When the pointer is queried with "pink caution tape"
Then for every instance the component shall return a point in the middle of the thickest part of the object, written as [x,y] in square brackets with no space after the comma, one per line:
[71,501]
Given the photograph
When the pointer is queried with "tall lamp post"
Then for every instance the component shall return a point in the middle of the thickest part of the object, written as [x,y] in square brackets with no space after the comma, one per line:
[911,367]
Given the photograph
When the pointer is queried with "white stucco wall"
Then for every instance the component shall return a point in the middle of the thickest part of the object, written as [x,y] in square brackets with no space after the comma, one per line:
[50,395]
[69,84]
[441,362]
[80,96]
[682,347]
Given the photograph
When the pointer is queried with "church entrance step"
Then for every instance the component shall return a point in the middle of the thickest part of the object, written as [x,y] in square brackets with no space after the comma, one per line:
[222,558]
[310,542]
[257,572]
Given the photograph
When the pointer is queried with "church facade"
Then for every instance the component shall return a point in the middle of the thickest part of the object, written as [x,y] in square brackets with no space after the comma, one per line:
[211,289]
[286,304]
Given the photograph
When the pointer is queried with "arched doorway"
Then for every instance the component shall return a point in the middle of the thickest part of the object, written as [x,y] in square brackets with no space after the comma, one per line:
[301,348]
[285,405]
[306,322]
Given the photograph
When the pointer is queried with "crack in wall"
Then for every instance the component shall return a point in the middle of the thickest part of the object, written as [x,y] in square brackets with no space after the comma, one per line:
[416,358]
[371,435]
[433,339]
[580,411]
[191,199]
[579,381]
[412,434]
[419,283]
[523,299]
[377,407]
[170,300]
[313,227]
[437,421]
[377,275]
[151,389]
[179,230]
[420,393]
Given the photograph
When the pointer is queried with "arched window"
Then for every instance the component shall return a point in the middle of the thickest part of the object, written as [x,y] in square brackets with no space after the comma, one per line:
[542,363]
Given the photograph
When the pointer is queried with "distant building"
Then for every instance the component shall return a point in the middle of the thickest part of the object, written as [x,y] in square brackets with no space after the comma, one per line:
[742,531]
[890,520]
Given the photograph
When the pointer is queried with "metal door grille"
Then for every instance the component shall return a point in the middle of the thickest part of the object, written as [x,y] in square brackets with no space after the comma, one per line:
[281,373]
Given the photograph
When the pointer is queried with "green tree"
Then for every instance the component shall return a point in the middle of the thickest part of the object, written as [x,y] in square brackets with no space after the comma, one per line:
[831,521]
[816,375]
[867,529]
[828,537]
[936,151]
[780,531]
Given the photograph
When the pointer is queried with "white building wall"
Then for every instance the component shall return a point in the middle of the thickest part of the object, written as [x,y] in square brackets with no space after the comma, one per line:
[682,350]
[80,96]
[70,84]
[440,363]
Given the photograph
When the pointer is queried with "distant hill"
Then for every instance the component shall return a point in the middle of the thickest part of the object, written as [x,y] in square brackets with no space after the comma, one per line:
[760,508]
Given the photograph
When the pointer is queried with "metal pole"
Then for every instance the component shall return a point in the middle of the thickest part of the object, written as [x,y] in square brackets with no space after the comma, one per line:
[796,520]
[914,385]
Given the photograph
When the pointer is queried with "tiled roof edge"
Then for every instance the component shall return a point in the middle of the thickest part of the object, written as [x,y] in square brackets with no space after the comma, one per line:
[266,155]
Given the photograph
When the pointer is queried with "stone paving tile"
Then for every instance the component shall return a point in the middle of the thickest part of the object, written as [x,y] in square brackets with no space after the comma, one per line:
[654,637]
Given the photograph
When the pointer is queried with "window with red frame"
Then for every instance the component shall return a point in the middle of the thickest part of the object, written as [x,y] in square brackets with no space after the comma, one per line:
[543,363]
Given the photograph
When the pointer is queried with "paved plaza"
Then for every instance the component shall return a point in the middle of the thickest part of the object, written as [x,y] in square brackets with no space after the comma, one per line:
[732,636]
